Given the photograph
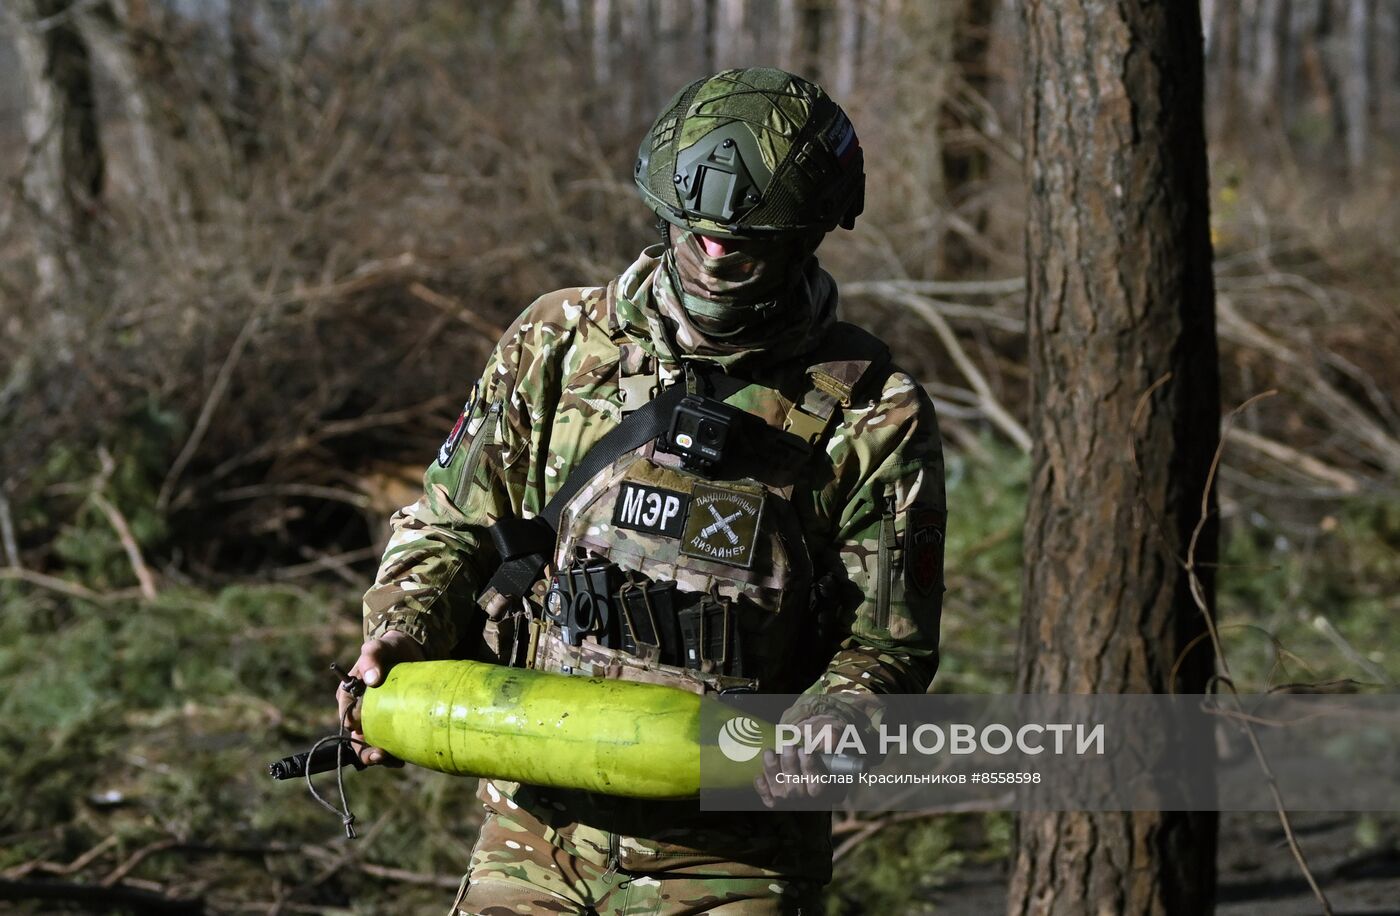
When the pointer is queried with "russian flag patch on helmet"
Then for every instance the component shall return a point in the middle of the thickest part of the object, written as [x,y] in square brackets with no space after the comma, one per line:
[843,140]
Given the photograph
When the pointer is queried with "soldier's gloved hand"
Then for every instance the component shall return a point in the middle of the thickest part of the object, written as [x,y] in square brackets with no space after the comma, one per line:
[773,789]
[377,656]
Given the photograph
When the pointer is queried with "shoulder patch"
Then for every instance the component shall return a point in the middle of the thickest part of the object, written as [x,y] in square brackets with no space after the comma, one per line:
[924,553]
[459,429]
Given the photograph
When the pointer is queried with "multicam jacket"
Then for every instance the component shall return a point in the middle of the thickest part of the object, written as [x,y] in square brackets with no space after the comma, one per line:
[847,605]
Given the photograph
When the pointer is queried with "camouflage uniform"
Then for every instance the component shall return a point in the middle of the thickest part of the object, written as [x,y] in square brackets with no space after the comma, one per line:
[550,390]
[809,561]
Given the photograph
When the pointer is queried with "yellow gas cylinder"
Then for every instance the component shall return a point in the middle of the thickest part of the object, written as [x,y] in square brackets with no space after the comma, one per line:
[615,737]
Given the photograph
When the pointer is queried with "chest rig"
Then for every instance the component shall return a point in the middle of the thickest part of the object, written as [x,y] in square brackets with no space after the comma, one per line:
[678,553]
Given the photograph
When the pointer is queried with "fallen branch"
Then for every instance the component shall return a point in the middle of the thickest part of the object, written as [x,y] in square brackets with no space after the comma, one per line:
[986,399]
[61,869]
[891,290]
[337,563]
[366,276]
[486,328]
[315,491]
[62,586]
[136,858]
[410,877]
[1300,461]
[1354,422]
[145,580]
[101,896]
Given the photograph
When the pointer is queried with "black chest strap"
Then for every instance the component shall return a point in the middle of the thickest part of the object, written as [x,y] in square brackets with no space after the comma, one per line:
[524,544]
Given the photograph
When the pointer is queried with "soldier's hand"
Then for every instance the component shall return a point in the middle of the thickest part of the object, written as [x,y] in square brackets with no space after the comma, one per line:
[377,656]
[782,776]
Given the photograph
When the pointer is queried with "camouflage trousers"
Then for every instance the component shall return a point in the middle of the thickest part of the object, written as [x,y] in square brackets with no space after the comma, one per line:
[514,872]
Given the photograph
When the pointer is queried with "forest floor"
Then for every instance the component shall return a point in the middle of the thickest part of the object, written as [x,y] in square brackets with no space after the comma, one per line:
[138,730]
[1258,876]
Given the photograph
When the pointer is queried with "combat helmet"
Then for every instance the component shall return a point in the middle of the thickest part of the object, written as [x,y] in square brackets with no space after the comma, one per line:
[752,152]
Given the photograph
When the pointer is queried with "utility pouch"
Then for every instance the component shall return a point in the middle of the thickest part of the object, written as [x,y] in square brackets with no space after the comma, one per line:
[711,637]
[580,602]
[648,616]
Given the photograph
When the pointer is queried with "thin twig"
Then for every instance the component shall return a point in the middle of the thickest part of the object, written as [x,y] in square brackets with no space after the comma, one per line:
[211,404]
[1197,590]
[1374,671]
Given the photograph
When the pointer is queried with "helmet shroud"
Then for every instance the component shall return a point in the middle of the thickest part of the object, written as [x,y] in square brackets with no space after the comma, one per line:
[750,153]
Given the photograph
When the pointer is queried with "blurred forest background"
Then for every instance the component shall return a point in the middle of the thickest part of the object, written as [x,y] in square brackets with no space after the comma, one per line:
[252,254]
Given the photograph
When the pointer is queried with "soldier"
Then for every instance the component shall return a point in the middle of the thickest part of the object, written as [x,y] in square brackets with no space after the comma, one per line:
[769,515]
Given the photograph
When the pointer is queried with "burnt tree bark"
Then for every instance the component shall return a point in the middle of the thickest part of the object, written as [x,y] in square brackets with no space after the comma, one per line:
[1120,296]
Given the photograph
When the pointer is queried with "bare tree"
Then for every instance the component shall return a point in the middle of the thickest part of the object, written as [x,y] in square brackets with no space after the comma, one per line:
[732,41]
[245,77]
[1270,61]
[1388,67]
[107,31]
[602,42]
[846,47]
[1122,344]
[1356,82]
[786,28]
[702,25]
[64,168]
[1224,50]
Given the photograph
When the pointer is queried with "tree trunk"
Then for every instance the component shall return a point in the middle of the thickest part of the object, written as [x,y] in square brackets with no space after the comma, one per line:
[1224,59]
[64,169]
[786,40]
[732,47]
[1356,92]
[1119,297]
[602,43]
[106,31]
[964,153]
[1266,83]
[702,20]
[1387,69]
[845,48]
[245,76]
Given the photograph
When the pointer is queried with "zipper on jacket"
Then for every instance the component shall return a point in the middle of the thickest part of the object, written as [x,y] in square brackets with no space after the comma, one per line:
[885,563]
[485,433]
[614,853]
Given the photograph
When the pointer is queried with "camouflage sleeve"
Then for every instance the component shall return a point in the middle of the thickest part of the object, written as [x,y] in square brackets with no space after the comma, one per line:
[889,542]
[439,554]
